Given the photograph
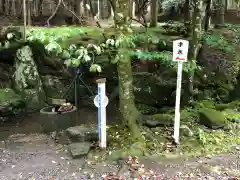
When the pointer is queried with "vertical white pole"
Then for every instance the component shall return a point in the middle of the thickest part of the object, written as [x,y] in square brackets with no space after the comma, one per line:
[177,105]
[98,2]
[102,113]
[24,20]
[133,9]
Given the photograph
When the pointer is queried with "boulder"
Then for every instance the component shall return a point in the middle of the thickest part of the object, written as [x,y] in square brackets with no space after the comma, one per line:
[145,109]
[26,79]
[152,90]
[81,134]
[10,103]
[157,120]
[79,150]
[212,118]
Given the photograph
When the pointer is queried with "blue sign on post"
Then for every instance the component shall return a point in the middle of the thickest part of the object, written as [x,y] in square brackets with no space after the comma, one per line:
[99,113]
[101,101]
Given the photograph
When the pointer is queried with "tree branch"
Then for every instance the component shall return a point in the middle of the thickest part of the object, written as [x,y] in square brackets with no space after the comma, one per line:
[56,9]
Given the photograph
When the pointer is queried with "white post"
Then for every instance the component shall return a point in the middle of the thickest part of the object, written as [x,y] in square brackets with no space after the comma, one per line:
[24,20]
[180,53]
[101,102]
[133,9]
[177,105]
[98,14]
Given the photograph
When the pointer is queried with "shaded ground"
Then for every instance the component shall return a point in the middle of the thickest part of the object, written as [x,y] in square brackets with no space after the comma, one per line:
[36,157]
[31,123]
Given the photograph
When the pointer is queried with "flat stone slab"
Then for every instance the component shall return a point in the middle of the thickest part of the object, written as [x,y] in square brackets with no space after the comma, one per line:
[81,134]
[79,150]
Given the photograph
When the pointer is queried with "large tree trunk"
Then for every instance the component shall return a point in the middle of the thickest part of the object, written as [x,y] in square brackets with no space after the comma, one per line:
[128,110]
[154,13]
[197,33]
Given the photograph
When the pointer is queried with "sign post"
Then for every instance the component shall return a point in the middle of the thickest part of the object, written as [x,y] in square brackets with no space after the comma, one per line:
[180,53]
[101,102]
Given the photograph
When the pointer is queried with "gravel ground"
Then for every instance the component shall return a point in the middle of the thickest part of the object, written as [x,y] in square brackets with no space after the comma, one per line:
[43,160]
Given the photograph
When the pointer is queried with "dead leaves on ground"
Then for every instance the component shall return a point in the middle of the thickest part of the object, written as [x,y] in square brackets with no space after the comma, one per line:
[135,169]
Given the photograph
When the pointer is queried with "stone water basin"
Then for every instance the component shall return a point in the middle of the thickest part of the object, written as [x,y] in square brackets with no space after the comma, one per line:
[54,121]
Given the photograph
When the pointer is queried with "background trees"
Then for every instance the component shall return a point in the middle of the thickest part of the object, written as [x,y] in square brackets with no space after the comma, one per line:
[151,10]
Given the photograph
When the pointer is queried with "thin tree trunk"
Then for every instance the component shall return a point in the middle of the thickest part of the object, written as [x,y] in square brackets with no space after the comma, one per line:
[220,11]
[154,13]
[13,8]
[207,20]
[29,3]
[103,9]
[79,9]
[226,6]
[187,16]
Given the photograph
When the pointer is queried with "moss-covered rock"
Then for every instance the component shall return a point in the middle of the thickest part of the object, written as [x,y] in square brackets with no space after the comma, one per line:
[10,103]
[234,105]
[158,120]
[26,79]
[145,109]
[152,90]
[189,115]
[219,57]
[204,104]
[212,118]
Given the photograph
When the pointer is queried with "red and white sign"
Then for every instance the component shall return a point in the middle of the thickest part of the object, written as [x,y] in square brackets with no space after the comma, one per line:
[180,50]
[180,53]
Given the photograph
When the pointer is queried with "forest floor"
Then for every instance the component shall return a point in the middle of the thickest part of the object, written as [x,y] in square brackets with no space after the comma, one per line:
[37,157]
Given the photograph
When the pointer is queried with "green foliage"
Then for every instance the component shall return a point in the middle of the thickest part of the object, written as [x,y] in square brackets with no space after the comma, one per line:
[164,56]
[219,41]
[72,55]
[146,38]
[135,46]
[167,4]
[174,28]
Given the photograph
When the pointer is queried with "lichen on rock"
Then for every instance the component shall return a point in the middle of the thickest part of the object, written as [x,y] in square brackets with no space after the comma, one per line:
[26,79]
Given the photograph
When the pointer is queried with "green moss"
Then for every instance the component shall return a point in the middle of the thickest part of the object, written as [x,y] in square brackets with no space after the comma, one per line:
[204,104]
[209,143]
[231,105]
[232,115]
[163,117]
[10,102]
[160,120]
[9,98]
[189,115]
[212,118]
[221,107]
